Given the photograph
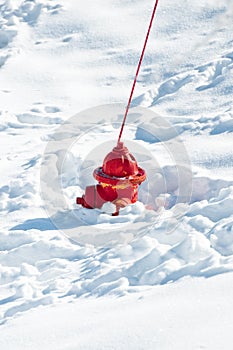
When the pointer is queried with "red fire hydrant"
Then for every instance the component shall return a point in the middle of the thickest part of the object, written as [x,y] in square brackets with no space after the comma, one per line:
[118,178]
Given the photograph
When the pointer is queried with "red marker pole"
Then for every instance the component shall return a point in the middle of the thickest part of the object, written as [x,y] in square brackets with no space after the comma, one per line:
[137,72]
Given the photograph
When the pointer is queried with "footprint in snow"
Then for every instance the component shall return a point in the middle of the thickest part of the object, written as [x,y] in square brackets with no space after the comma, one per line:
[212,73]
[29,118]
[52,109]
[31,163]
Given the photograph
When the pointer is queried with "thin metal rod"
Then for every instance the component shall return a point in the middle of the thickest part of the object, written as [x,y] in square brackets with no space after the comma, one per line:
[137,72]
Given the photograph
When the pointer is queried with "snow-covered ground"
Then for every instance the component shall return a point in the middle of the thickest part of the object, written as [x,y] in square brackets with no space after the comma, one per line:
[159,276]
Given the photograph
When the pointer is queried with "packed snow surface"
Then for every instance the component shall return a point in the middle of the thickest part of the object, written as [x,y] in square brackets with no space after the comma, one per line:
[165,275]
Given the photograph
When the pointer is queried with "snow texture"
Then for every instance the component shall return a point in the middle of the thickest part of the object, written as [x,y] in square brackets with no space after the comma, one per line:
[58,58]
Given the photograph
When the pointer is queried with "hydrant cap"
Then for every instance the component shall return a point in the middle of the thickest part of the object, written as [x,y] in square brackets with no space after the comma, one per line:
[120,163]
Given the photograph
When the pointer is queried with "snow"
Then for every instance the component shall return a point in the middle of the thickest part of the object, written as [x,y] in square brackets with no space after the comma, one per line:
[158,276]
[185,315]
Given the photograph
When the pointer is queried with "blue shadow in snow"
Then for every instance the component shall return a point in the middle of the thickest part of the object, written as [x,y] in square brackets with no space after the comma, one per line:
[8,300]
[42,224]
[62,220]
